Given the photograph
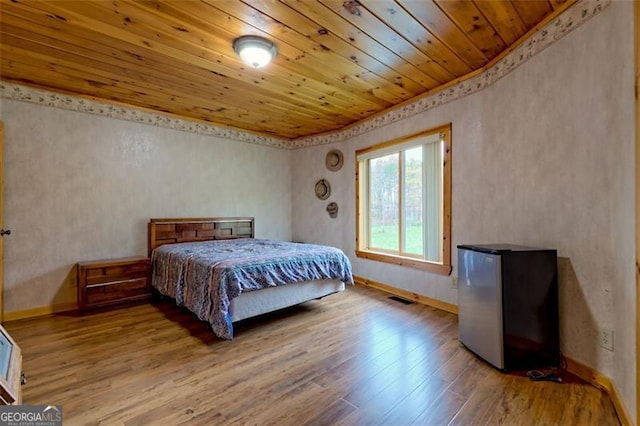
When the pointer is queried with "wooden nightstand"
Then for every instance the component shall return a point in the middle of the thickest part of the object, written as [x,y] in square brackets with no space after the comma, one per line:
[110,282]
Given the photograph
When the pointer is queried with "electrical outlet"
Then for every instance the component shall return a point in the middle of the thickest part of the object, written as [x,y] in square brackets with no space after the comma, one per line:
[454,282]
[606,339]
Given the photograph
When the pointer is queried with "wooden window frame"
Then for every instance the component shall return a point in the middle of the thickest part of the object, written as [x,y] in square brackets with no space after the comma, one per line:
[444,267]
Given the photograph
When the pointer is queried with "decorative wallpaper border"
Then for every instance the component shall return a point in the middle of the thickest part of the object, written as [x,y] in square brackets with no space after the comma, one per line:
[572,18]
[89,106]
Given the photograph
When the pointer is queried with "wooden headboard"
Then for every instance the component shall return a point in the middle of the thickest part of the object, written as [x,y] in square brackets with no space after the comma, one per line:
[169,231]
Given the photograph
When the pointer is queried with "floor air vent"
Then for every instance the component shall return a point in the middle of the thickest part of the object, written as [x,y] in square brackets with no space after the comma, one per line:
[401,300]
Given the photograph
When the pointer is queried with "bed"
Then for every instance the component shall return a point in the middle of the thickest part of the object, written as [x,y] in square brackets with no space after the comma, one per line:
[217,269]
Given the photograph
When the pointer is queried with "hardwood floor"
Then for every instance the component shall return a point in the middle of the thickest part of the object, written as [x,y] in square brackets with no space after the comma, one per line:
[356,358]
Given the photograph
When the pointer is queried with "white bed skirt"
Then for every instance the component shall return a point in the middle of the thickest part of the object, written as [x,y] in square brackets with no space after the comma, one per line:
[259,302]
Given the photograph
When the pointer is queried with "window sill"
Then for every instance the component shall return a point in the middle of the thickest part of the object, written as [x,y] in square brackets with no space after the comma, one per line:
[436,268]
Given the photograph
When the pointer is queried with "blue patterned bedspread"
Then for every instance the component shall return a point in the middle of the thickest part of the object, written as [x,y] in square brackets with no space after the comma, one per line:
[205,276]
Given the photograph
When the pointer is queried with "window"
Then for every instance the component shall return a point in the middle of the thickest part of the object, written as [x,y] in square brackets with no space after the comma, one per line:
[404,201]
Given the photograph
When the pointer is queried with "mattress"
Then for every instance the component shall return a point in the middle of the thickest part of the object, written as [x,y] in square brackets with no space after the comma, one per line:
[270,299]
[206,277]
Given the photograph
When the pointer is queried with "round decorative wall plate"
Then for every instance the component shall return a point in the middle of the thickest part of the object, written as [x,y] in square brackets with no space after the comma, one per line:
[334,160]
[323,189]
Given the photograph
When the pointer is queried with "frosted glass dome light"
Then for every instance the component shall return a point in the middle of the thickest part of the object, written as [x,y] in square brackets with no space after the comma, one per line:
[254,51]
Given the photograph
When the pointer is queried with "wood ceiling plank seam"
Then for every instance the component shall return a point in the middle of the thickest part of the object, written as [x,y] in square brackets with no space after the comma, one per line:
[504,19]
[470,20]
[323,37]
[204,63]
[378,30]
[356,118]
[308,46]
[526,36]
[112,71]
[349,86]
[68,28]
[96,79]
[275,27]
[541,25]
[65,77]
[217,111]
[532,12]
[128,67]
[364,42]
[56,76]
[345,95]
[404,24]
[136,71]
[405,68]
[482,20]
[235,125]
[490,23]
[428,14]
[309,67]
[177,96]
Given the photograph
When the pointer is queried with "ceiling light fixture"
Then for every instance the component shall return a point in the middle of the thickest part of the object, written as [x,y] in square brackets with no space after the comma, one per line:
[254,51]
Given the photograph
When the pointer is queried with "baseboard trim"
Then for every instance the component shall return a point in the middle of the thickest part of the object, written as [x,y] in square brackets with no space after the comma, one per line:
[600,381]
[583,371]
[434,303]
[40,311]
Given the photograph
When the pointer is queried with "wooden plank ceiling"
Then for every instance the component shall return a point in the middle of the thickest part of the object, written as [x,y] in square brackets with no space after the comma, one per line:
[338,61]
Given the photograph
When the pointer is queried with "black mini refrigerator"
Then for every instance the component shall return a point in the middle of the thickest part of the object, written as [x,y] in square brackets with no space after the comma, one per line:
[508,305]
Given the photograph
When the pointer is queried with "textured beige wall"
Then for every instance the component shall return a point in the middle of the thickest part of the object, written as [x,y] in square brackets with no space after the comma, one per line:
[81,187]
[544,158]
[622,205]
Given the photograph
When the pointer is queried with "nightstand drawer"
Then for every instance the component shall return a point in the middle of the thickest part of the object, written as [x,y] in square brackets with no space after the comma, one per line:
[99,276]
[110,272]
[110,282]
[116,290]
